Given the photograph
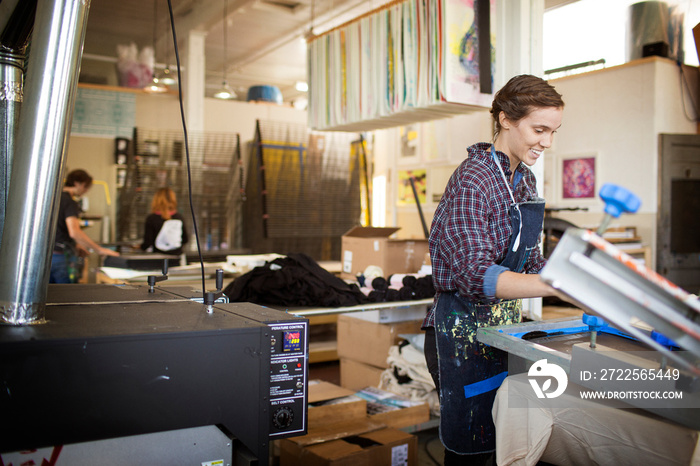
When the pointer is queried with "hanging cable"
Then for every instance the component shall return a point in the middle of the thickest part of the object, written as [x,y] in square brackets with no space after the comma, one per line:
[225,92]
[187,148]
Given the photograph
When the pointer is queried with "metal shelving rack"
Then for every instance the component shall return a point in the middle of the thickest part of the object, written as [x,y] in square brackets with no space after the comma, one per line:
[158,159]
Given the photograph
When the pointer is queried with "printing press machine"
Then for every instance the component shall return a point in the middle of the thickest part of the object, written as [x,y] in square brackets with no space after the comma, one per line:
[135,376]
[635,321]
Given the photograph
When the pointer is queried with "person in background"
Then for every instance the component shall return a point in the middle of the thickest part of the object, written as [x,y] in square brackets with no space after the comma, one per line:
[486,257]
[70,239]
[164,230]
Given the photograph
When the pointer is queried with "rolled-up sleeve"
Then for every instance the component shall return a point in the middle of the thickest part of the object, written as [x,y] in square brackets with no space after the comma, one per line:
[467,240]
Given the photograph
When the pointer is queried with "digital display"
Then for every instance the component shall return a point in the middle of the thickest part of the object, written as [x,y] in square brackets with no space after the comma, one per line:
[292,341]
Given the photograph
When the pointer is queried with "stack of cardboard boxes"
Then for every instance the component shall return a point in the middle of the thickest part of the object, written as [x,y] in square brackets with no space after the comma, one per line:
[343,427]
[341,433]
[363,347]
[364,338]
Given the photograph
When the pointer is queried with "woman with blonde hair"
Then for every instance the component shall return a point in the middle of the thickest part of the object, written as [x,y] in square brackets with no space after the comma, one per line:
[164,230]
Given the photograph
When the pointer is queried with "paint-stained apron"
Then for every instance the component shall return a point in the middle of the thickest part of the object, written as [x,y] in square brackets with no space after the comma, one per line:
[471,372]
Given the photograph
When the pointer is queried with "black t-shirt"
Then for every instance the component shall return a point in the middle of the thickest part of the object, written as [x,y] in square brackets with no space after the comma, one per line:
[154,222]
[67,208]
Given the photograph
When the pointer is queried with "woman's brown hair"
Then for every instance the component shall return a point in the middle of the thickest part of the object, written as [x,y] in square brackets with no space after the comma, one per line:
[521,95]
[78,176]
[164,202]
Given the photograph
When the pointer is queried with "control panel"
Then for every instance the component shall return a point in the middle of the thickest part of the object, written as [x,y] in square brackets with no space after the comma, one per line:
[288,378]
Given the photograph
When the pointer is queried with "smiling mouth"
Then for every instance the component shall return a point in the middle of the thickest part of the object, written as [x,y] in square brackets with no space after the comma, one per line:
[537,152]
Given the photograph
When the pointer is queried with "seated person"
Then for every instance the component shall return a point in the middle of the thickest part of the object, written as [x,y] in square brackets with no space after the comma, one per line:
[164,230]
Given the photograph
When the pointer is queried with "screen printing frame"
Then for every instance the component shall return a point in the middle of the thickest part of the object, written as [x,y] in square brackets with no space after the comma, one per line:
[607,282]
[637,303]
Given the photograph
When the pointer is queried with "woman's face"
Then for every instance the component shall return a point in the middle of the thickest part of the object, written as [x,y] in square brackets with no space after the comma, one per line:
[525,140]
[80,189]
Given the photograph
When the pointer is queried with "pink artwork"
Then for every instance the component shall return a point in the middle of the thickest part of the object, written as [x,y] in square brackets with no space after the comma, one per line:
[578,178]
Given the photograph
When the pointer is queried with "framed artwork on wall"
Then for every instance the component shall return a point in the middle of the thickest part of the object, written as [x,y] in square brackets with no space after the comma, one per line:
[578,178]
[405,194]
[409,143]
[572,180]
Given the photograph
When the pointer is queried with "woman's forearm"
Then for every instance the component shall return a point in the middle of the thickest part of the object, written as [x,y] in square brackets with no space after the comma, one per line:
[511,285]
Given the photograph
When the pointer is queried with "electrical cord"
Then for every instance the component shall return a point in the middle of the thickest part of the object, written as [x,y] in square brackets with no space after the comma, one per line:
[187,147]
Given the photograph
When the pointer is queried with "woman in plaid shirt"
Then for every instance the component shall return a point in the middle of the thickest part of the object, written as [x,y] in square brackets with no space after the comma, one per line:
[485,256]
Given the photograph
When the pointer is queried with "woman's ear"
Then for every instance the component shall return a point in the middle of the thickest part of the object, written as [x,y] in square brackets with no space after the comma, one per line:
[503,120]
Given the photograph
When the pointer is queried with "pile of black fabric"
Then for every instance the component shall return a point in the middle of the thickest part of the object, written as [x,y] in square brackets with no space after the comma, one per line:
[295,280]
[412,288]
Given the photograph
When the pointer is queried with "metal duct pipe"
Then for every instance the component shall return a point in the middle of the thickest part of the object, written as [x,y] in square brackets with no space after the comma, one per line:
[35,182]
[16,22]
[11,71]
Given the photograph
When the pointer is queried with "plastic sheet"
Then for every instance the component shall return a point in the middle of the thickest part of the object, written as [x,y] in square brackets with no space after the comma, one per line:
[657,26]
[135,69]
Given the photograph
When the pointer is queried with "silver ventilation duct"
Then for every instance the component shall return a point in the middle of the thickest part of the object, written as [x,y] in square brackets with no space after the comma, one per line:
[38,158]
[16,21]
[11,71]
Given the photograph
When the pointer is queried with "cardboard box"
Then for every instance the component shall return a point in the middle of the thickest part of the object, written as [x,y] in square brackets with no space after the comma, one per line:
[329,402]
[393,410]
[355,375]
[369,342]
[404,417]
[350,443]
[365,246]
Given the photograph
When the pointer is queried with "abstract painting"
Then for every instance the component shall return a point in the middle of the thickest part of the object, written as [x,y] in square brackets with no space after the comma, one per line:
[578,178]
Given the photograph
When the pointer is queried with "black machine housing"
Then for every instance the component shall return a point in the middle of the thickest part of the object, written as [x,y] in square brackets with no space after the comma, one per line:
[116,360]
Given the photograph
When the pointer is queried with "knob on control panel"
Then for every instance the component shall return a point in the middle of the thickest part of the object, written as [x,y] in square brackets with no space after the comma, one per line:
[283,417]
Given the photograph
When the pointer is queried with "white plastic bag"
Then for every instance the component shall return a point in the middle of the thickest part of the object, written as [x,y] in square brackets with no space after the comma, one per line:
[170,235]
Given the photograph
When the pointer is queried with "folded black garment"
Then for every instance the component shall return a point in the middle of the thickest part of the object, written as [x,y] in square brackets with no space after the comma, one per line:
[294,280]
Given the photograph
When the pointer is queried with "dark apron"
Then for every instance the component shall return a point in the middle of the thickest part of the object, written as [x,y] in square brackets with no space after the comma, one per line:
[471,372]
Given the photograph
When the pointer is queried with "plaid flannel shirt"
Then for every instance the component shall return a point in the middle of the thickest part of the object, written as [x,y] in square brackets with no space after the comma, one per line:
[471,227]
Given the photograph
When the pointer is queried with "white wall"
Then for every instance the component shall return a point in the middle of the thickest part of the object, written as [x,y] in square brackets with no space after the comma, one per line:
[225,116]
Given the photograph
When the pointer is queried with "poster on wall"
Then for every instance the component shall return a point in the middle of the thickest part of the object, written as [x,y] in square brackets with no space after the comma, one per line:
[466,49]
[578,178]
[405,195]
[409,143]
[104,113]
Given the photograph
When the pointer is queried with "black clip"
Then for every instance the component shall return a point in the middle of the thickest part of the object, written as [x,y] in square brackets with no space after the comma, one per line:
[210,297]
[153,279]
